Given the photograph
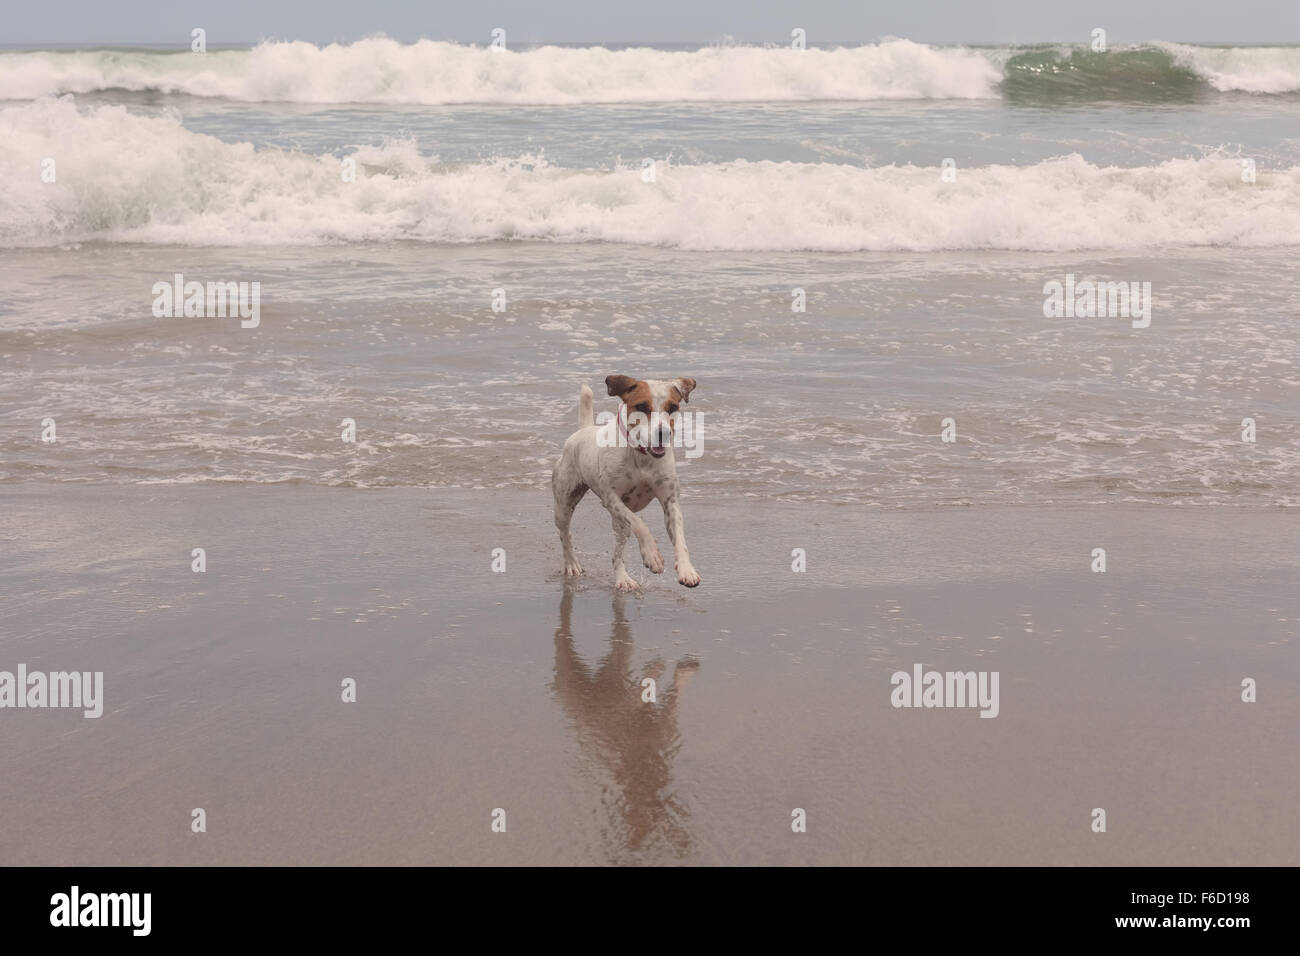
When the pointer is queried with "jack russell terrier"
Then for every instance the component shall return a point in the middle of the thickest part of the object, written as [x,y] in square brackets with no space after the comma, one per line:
[627,466]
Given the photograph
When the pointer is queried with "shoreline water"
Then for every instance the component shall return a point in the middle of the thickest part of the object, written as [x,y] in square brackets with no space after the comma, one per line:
[842,402]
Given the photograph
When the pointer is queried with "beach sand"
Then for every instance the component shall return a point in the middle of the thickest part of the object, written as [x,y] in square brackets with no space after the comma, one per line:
[479,690]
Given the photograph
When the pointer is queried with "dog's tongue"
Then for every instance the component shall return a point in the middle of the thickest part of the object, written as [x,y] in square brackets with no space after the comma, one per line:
[658,450]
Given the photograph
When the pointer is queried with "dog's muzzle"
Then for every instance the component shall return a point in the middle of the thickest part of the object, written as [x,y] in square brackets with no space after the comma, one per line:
[661,440]
[661,436]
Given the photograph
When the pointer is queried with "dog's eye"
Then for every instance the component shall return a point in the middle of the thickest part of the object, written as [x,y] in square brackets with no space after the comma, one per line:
[644,408]
[671,409]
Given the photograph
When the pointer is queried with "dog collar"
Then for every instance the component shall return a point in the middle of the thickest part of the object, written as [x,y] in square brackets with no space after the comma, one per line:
[622,427]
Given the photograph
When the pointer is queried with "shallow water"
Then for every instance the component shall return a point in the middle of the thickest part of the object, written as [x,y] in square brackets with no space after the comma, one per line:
[843,402]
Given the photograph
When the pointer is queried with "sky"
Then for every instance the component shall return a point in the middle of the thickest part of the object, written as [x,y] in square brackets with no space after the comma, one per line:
[596,21]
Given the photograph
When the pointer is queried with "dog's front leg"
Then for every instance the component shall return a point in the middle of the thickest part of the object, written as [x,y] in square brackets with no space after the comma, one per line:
[627,523]
[686,573]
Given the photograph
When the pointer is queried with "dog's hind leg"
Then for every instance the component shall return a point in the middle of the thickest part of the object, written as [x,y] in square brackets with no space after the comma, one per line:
[566,499]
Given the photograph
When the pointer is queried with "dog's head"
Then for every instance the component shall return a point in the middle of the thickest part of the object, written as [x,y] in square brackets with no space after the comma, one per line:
[652,409]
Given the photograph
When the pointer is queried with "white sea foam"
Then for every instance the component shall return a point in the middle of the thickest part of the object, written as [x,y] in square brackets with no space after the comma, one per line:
[1248,69]
[379,70]
[124,177]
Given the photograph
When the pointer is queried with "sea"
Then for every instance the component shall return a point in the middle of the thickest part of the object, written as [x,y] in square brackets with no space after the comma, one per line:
[849,247]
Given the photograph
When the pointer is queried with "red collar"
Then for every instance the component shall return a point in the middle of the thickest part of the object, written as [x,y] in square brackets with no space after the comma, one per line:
[622,427]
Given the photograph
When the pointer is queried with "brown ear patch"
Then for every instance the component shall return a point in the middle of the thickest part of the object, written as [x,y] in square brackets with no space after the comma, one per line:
[618,384]
[638,394]
[684,387]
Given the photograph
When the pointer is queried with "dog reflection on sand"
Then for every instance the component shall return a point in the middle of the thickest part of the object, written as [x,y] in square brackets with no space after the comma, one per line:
[626,741]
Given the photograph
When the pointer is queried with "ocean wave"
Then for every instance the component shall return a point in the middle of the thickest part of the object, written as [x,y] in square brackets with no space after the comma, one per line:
[1147,72]
[382,71]
[126,177]
[379,70]
[1247,69]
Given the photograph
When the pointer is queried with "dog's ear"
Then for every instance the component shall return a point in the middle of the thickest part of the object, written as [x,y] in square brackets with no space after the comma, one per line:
[620,384]
[684,385]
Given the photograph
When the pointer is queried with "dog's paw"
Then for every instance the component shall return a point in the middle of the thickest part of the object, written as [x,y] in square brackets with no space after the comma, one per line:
[655,562]
[624,582]
[688,576]
[572,568]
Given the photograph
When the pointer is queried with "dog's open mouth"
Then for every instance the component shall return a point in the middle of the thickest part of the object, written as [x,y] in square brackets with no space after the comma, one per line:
[658,451]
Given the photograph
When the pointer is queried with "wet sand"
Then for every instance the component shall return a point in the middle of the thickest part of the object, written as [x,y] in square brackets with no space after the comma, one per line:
[479,690]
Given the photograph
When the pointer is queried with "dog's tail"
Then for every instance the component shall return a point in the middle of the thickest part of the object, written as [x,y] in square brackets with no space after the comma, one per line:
[585,415]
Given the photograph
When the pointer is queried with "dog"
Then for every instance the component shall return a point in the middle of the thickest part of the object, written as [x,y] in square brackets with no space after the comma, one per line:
[627,462]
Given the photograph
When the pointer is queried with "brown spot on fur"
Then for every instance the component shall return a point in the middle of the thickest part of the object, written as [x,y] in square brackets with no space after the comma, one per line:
[638,393]
[684,387]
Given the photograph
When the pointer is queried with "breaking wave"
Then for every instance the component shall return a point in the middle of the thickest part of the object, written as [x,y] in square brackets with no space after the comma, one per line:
[383,71]
[126,177]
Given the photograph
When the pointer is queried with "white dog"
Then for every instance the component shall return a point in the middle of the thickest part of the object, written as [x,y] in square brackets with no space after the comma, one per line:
[627,462]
